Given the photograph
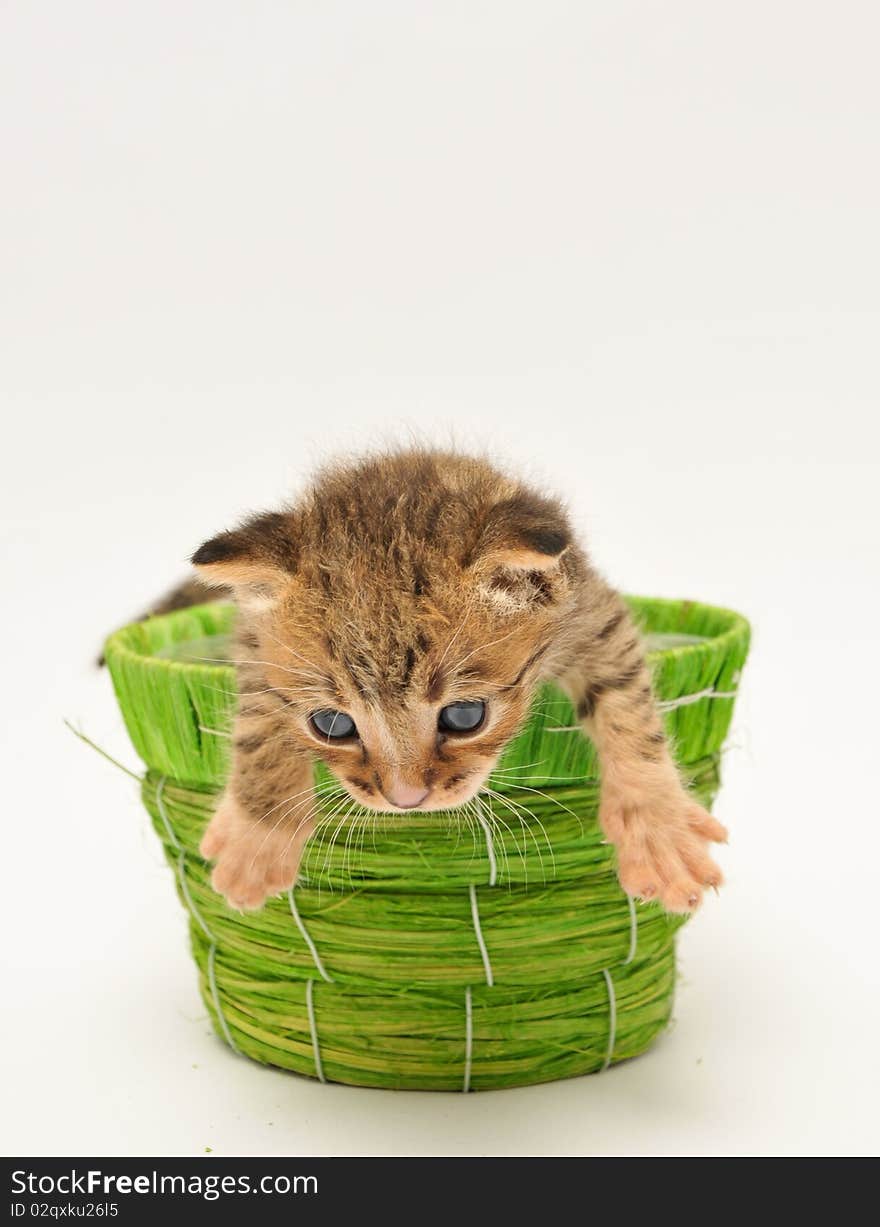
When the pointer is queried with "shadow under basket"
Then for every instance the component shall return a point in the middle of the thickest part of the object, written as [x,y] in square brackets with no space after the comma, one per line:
[449,951]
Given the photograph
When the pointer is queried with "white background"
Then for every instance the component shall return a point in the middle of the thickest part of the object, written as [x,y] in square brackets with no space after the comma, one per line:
[632,249]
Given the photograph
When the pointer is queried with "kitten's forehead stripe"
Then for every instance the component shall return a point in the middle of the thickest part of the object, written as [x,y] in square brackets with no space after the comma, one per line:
[409,663]
[532,660]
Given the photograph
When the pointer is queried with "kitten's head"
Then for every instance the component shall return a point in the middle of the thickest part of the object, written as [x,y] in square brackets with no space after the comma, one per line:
[402,628]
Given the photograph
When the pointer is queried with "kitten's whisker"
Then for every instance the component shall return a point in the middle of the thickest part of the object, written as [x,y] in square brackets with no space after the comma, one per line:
[521,767]
[271,664]
[471,821]
[323,821]
[330,846]
[472,824]
[374,822]
[359,828]
[284,815]
[306,818]
[454,820]
[348,850]
[310,845]
[296,689]
[282,735]
[486,815]
[311,804]
[323,787]
[496,823]
[483,646]
[287,648]
[521,850]
[352,828]
[518,811]
[494,820]
[461,626]
[346,817]
[256,821]
[548,797]
[534,817]
[506,779]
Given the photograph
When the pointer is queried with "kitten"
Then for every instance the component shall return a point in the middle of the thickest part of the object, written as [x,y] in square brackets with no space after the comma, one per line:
[395,622]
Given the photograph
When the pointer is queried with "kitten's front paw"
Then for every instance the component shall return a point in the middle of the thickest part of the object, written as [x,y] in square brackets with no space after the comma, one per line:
[661,847]
[253,860]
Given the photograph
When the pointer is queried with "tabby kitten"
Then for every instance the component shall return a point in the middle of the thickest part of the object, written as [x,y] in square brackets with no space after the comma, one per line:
[395,622]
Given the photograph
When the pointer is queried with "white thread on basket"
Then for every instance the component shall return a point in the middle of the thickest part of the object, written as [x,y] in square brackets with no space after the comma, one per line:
[490,848]
[665,705]
[313,1026]
[484,953]
[215,993]
[160,806]
[184,890]
[203,728]
[181,861]
[306,936]
[612,1017]
[684,699]
[468,1038]
[196,915]
[633,930]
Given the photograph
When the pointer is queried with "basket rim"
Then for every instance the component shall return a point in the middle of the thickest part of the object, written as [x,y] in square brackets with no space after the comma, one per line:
[132,643]
[122,646]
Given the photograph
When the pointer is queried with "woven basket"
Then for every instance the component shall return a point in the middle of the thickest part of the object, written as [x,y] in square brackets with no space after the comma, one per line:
[422,952]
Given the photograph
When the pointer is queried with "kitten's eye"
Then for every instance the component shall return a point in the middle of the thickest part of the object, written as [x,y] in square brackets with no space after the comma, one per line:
[462,717]
[333,724]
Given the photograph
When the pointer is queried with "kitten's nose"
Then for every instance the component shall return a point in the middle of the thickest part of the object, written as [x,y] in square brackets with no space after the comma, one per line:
[406,796]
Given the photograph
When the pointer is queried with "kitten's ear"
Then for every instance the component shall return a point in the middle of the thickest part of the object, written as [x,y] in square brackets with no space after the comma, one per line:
[524,533]
[261,552]
[519,552]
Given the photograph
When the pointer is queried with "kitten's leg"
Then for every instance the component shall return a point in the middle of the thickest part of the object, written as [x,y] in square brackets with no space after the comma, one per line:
[659,831]
[263,820]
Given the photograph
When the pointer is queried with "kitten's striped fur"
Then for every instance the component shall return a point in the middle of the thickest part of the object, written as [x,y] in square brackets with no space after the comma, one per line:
[396,585]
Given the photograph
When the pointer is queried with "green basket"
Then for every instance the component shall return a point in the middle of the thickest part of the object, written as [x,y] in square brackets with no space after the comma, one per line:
[424,951]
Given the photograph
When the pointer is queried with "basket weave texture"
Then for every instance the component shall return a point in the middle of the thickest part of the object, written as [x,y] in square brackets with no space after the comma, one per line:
[439,952]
